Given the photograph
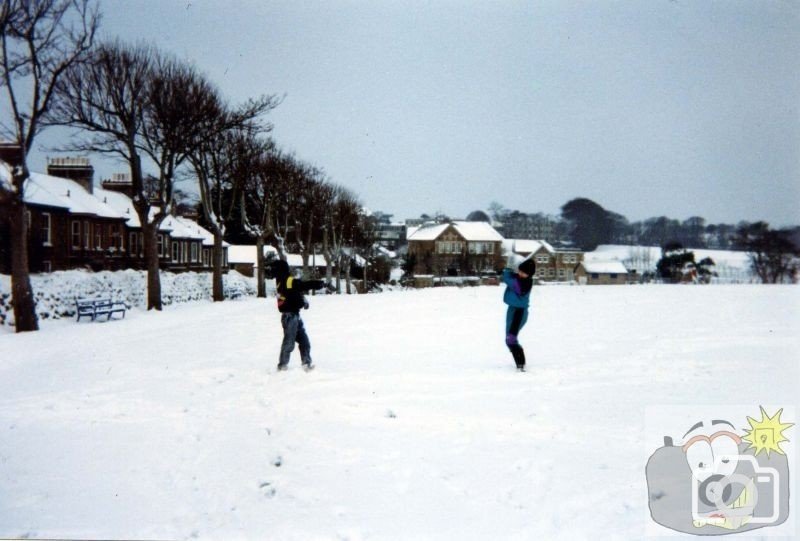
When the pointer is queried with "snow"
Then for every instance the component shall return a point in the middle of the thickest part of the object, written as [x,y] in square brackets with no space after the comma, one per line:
[730,266]
[175,425]
[56,292]
[5,177]
[244,253]
[470,231]
[63,193]
[526,246]
[604,267]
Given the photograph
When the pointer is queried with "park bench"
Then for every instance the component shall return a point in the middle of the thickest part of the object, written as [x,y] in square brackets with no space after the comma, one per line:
[93,308]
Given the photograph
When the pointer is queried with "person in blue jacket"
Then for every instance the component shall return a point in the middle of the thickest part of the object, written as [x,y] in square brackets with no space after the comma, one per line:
[517,297]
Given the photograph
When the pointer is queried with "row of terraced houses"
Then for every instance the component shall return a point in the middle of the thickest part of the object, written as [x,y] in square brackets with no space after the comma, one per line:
[73,224]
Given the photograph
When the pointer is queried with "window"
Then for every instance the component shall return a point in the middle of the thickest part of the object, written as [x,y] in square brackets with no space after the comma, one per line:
[161,246]
[185,252]
[206,257]
[449,247]
[551,272]
[46,266]
[542,259]
[98,237]
[46,239]
[562,273]
[595,276]
[115,241]
[133,243]
[76,235]
[87,236]
[175,251]
[613,276]
[194,252]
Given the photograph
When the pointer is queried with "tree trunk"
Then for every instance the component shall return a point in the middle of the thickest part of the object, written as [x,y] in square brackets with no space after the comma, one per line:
[22,293]
[348,284]
[217,290]
[260,271]
[328,256]
[150,231]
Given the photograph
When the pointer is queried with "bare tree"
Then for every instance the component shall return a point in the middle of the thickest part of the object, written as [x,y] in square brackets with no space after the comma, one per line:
[222,163]
[106,98]
[182,111]
[258,200]
[309,212]
[341,221]
[39,41]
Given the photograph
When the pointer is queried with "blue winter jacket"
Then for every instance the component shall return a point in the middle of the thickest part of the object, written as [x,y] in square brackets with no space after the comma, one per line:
[515,295]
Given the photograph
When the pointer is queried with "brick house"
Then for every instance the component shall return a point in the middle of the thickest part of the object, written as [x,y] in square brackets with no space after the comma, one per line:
[552,265]
[456,249]
[72,225]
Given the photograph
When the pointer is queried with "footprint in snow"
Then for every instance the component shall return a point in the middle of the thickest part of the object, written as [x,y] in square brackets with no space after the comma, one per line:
[267,489]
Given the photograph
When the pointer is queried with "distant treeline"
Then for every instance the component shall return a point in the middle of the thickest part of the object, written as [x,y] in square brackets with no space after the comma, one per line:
[585,224]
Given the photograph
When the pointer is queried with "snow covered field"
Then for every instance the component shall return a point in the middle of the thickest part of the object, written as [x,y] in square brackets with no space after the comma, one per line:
[175,425]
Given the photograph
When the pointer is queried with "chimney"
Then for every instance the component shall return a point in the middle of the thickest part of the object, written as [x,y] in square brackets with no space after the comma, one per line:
[119,182]
[77,169]
[11,153]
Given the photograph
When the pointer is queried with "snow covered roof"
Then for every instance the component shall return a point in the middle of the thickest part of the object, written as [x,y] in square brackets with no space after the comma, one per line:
[184,228]
[526,246]
[246,253]
[121,203]
[50,191]
[604,267]
[471,231]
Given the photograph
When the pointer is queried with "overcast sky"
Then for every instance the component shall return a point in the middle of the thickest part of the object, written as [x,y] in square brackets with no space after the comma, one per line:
[676,108]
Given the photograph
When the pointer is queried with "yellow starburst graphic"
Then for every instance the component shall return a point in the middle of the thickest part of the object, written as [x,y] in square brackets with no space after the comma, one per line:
[767,434]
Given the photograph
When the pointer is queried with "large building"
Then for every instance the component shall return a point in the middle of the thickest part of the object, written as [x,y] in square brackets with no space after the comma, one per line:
[456,249]
[72,224]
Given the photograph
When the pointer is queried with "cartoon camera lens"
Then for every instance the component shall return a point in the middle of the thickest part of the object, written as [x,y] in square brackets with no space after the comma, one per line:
[732,486]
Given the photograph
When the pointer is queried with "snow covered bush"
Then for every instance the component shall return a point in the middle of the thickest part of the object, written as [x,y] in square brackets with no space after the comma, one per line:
[56,292]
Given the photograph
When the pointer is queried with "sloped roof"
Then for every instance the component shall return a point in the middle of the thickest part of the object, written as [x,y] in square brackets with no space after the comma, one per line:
[471,231]
[67,194]
[526,246]
[604,267]
[184,228]
[121,203]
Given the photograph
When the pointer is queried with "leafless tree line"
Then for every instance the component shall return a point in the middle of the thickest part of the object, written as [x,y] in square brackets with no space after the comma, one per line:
[157,113]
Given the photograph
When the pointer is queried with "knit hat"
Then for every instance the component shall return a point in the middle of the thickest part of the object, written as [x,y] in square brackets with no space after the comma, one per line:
[280,269]
[528,267]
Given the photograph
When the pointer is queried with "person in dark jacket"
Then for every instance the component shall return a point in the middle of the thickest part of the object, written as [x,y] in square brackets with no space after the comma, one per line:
[517,297]
[291,299]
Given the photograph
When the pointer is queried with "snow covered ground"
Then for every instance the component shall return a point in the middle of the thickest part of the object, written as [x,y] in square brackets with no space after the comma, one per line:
[730,267]
[175,425]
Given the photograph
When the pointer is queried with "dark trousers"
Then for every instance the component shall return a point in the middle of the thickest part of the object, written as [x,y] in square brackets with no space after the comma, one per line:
[294,331]
[515,320]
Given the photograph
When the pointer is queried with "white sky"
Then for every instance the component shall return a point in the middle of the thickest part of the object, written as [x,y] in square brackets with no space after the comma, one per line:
[650,108]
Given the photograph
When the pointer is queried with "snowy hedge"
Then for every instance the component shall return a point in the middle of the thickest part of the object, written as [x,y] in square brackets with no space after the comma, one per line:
[56,292]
